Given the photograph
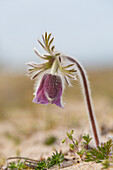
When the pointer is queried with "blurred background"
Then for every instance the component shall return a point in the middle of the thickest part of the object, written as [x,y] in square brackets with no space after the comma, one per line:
[82,29]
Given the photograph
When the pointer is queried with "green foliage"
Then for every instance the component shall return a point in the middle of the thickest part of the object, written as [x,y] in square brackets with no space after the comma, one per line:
[70,135]
[87,139]
[50,140]
[71,146]
[56,159]
[19,165]
[74,143]
[63,141]
[41,165]
[100,153]
[81,152]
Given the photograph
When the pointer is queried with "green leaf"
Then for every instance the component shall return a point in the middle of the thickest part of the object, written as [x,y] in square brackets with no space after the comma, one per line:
[63,141]
[76,142]
[69,136]
[80,153]
[72,132]
[71,146]
[100,153]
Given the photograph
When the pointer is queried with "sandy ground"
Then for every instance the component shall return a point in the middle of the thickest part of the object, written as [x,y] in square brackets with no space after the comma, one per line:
[32,144]
[25,126]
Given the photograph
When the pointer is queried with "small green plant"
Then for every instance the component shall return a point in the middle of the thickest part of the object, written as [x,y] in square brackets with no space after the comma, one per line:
[85,146]
[81,153]
[56,159]
[100,153]
[74,143]
[86,141]
[50,140]
[41,165]
[19,165]
[80,149]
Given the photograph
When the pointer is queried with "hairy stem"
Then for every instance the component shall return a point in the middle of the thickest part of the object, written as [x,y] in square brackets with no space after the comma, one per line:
[88,99]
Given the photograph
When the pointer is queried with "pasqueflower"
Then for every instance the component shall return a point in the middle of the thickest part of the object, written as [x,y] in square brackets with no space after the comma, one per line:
[52,74]
[49,91]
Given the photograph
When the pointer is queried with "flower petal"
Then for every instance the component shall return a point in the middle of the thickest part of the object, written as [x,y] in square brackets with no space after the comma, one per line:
[53,86]
[57,102]
[49,91]
[41,83]
[40,98]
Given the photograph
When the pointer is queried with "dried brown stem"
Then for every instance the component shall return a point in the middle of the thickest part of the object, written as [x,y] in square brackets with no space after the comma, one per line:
[88,99]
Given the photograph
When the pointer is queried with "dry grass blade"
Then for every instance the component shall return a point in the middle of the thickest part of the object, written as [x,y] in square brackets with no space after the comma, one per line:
[19,157]
[31,162]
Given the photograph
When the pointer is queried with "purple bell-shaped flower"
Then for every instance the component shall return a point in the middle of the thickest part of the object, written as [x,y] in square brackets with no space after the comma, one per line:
[49,90]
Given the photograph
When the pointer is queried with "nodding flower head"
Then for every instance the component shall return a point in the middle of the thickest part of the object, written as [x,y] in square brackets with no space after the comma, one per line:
[49,90]
[52,74]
